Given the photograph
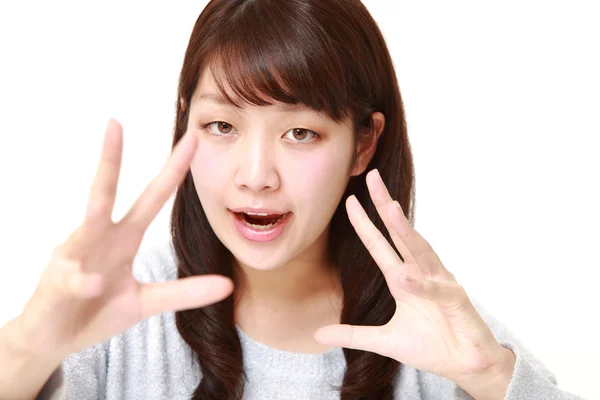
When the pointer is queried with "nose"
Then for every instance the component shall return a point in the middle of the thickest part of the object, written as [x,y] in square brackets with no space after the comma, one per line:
[256,167]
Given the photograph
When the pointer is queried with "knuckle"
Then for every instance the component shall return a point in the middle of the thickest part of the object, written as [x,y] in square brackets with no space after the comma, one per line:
[58,252]
[458,301]
[405,234]
[430,286]
[449,276]
[97,209]
[389,268]
[352,335]
[372,242]
[419,253]
[60,278]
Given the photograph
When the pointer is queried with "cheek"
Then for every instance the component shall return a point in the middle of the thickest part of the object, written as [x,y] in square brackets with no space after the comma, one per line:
[208,169]
[320,178]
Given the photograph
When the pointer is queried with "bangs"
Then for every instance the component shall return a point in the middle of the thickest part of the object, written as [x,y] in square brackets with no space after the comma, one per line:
[261,58]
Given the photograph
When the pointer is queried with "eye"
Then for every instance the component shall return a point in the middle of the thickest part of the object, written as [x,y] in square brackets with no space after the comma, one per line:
[300,134]
[219,128]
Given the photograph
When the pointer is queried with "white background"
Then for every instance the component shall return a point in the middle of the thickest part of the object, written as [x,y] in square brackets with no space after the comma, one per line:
[502,103]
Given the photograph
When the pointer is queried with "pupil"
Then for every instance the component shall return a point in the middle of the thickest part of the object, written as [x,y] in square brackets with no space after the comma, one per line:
[223,126]
[299,133]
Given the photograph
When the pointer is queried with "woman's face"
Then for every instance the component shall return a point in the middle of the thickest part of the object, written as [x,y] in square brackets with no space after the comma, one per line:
[273,160]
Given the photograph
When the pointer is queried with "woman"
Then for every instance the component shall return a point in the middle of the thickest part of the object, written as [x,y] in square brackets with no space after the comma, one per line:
[289,122]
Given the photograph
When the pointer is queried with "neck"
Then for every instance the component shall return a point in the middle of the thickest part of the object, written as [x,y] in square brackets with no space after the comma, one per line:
[283,307]
[296,282]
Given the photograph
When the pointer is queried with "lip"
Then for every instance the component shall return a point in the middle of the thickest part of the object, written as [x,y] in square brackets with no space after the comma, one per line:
[261,236]
[258,210]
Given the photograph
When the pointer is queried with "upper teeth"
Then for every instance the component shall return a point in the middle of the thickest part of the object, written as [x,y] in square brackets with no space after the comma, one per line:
[258,214]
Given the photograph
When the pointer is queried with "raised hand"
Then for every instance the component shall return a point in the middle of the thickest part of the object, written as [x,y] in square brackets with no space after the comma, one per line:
[87,293]
[435,327]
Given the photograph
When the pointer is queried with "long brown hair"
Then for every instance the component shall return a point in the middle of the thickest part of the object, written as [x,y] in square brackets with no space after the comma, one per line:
[330,56]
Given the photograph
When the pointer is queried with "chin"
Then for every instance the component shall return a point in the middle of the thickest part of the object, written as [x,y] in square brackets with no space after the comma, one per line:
[260,261]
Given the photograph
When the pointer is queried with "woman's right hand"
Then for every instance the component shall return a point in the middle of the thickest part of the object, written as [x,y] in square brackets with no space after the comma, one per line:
[87,293]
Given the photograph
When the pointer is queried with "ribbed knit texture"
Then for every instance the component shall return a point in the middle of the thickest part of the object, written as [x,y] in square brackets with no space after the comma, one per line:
[151,361]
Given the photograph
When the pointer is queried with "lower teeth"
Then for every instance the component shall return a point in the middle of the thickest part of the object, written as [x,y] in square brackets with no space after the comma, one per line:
[262,227]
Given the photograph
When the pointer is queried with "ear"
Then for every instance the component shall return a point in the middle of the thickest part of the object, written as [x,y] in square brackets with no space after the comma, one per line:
[183,104]
[365,151]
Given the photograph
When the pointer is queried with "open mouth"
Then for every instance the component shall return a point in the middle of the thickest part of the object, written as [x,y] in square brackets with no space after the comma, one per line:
[260,222]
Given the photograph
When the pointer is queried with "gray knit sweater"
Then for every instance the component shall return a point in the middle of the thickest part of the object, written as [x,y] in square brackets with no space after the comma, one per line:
[151,361]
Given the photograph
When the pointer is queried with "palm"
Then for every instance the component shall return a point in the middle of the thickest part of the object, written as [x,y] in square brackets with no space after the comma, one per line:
[418,332]
[120,305]
[435,328]
[80,323]
[114,313]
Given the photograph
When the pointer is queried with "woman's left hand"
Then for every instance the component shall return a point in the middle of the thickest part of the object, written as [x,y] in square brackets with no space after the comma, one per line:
[435,327]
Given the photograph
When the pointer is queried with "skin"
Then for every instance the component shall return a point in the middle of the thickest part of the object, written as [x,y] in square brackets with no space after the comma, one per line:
[87,293]
[435,327]
[255,160]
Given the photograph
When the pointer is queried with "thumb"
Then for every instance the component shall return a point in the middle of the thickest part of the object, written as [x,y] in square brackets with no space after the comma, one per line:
[183,294]
[367,338]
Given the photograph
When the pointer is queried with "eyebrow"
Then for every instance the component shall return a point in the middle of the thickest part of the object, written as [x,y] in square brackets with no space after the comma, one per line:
[218,99]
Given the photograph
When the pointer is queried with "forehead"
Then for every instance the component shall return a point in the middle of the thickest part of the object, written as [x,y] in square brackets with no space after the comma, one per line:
[206,83]
[207,93]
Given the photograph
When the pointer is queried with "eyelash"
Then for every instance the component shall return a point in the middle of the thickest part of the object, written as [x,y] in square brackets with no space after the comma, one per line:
[315,134]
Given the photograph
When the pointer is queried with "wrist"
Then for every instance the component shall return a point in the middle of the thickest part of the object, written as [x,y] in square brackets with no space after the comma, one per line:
[16,357]
[25,343]
[491,384]
[10,346]
[20,368]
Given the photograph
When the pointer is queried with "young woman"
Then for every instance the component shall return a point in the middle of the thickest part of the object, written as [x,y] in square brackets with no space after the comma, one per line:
[294,185]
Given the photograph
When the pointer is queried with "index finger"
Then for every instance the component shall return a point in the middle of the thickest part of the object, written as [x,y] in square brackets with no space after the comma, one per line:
[104,186]
[413,247]
[160,189]
[382,201]
[379,248]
